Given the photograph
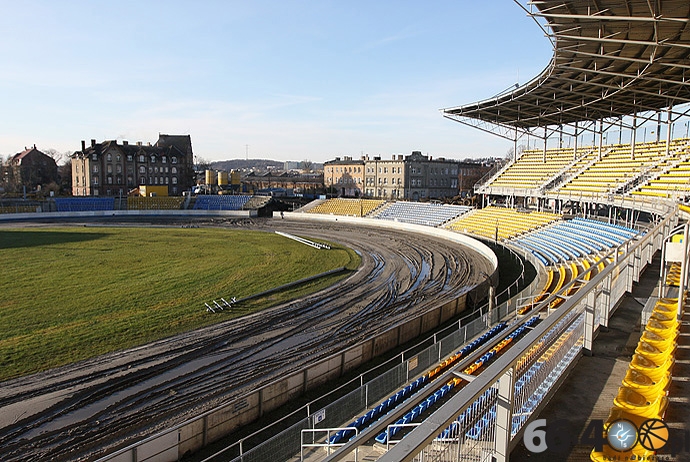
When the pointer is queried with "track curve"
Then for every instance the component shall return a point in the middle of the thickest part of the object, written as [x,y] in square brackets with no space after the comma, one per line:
[89,408]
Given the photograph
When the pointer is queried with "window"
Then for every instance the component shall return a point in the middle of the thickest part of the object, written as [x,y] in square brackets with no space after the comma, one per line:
[118,168]
[109,168]
[164,159]
[95,180]
[174,179]
[142,169]
[118,158]
[109,157]
[130,158]
[142,158]
[77,181]
[153,159]
[95,168]
[142,180]
[110,180]
[173,160]
[94,156]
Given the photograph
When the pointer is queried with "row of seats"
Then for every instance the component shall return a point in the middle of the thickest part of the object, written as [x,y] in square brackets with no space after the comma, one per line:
[530,403]
[504,223]
[375,413]
[589,171]
[643,393]
[572,239]
[84,204]
[18,208]
[154,203]
[421,213]
[220,202]
[530,171]
[347,207]
[616,167]
[464,420]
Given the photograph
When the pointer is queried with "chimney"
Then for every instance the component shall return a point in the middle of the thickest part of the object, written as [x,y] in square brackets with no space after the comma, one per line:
[400,157]
[93,143]
[125,143]
[34,145]
[83,145]
[138,143]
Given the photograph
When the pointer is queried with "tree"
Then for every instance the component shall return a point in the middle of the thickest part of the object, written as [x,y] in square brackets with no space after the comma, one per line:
[202,164]
[55,154]
[306,165]
[65,177]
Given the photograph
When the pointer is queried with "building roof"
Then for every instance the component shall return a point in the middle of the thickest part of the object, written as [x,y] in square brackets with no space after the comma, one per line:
[171,145]
[19,156]
[611,58]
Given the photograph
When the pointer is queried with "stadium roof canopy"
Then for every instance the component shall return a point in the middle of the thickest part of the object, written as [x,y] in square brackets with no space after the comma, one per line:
[612,58]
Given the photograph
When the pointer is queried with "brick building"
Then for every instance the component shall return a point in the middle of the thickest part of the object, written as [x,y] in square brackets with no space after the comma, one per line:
[112,169]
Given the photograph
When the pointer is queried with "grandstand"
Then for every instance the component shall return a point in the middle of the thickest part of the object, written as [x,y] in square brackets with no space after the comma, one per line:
[220,202]
[84,204]
[428,214]
[501,223]
[155,203]
[347,207]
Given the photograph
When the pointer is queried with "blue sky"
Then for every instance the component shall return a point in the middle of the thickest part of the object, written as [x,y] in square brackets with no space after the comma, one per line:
[291,79]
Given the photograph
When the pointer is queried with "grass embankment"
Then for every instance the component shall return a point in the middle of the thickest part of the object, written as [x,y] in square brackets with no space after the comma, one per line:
[67,294]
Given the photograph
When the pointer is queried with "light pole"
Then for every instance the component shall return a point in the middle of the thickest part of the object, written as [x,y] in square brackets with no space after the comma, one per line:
[491,296]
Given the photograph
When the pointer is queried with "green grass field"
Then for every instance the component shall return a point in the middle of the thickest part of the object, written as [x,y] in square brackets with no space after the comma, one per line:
[69,293]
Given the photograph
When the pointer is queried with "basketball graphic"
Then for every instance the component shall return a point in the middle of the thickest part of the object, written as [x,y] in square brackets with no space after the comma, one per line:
[653,434]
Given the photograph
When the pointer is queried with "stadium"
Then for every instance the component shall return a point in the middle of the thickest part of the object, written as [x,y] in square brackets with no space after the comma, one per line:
[586,212]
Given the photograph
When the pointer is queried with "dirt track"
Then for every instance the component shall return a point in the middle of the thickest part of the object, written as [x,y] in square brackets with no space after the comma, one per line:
[87,409]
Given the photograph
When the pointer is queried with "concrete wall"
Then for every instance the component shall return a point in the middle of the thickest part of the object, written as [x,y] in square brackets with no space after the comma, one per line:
[193,435]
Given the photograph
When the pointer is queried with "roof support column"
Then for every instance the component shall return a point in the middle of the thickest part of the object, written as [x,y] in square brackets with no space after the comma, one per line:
[546,136]
[633,135]
[601,136]
[575,147]
[669,123]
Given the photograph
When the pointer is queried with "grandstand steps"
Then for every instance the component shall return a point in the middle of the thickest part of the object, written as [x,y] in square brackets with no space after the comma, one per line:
[310,205]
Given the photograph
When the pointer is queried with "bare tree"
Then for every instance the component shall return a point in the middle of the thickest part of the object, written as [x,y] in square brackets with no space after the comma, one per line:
[202,163]
[307,165]
[55,154]
[65,177]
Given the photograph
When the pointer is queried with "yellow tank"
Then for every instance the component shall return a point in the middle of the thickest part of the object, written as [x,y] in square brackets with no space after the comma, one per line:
[235,177]
[210,177]
[222,178]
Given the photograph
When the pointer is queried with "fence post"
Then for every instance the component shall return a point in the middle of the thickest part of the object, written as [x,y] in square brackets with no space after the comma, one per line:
[504,415]
[590,327]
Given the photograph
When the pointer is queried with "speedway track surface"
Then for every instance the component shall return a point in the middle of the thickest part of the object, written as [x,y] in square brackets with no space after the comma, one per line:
[88,409]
